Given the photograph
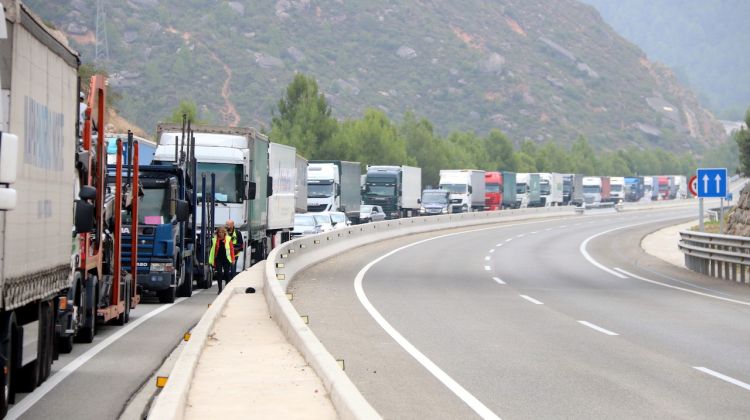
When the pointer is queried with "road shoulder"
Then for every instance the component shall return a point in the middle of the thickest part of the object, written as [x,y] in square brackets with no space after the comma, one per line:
[662,243]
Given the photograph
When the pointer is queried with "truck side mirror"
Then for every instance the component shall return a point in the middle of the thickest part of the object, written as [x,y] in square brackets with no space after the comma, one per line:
[84,218]
[269,190]
[338,190]
[470,189]
[419,201]
[87,193]
[182,211]
[250,191]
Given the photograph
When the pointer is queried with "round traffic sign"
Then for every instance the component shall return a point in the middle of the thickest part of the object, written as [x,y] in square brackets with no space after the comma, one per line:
[693,185]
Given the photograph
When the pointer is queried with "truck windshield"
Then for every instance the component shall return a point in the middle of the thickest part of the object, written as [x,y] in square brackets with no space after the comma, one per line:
[378,189]
[455,188]
[153,208]
[544,188]
[436,198]
[592,189]
[520,188]
[319,190]
[229,183]
[616,188]
[492,188]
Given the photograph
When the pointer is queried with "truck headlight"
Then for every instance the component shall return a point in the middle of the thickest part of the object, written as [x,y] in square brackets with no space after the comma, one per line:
[422,210]
[165,267]
[445,210]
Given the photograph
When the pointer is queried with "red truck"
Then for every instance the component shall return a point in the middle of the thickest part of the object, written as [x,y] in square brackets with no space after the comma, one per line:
[493,192]
[664,188]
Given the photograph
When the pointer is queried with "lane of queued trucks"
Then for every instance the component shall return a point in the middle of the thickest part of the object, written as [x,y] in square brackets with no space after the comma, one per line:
[142,213]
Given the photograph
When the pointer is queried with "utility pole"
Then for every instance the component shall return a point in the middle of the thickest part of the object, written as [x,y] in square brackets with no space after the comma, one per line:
[101,50]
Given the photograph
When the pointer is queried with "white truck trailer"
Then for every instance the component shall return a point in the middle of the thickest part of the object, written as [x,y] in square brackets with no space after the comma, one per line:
[466,187]
[39,106]
[551,189]
[397,189]
[617,189]
[282,169]
[300,181]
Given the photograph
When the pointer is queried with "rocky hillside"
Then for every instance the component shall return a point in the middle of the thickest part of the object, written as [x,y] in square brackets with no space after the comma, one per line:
[539,69]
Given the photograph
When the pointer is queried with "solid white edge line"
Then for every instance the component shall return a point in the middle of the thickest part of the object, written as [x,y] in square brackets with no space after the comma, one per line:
[597,328]
[498,280]
[25,404]
[723,377]
[428,364]
[532,300]
[741,302]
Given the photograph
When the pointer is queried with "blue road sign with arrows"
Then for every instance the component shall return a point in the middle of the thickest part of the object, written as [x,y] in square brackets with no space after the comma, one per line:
[712,182]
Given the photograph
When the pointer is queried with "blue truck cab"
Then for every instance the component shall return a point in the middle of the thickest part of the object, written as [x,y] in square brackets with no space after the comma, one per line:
[164,257]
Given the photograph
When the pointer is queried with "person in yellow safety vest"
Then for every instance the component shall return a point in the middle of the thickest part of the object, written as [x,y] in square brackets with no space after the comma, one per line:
[237,244]
[221,257]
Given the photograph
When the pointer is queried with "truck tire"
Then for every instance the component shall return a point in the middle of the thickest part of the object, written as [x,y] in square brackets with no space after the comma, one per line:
[124,317]
[186,288]
[7,346]
[87,330]
[47,340]
[208,278]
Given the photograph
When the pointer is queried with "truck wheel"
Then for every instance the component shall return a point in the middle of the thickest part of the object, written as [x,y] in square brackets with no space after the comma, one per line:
[87,330]
[7,345]
[47,341]
[124,317]
[65,344]
[208,278]
[186,288]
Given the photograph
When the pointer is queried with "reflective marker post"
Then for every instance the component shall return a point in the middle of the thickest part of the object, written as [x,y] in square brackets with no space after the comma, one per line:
[700,214]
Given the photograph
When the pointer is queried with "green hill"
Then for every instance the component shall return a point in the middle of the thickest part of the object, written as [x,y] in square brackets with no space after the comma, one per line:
[545,70]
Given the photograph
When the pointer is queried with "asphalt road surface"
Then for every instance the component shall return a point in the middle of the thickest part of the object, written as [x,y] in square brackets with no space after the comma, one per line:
[563,318]
[96,380]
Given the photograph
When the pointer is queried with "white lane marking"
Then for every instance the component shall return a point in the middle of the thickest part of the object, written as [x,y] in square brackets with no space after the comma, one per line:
[532,300]
[548,229]
[509,239]
[428,364]
[487,258]
[588,257]
[563,226]
[723,377]
[498,280]
[741,302]
[22,407]
[499,245]
[535,232]
[487,268]
[598,328]
[492,250]
[520,235]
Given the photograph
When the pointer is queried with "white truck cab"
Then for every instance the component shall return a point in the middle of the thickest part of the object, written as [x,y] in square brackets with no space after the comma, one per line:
[323,180]
[617,188]
[592,190]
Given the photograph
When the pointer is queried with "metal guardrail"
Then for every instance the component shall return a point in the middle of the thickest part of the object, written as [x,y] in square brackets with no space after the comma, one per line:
[722,256]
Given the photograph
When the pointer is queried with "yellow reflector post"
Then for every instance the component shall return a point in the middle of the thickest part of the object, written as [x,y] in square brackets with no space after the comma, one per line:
[341,364]
[290,296]
[186,336]
[305,319]
[161,381]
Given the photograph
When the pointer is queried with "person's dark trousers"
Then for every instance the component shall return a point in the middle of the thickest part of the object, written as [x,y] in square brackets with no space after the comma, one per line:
[222,271]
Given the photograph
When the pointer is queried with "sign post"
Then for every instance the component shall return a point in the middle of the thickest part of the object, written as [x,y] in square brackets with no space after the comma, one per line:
[693,188]
[712,183]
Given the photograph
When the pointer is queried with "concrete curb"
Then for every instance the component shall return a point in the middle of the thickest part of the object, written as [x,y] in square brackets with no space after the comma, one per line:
[171,401]
[279,269]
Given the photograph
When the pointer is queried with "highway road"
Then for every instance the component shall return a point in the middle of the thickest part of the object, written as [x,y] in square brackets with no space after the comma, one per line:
[97,380]
[563,318]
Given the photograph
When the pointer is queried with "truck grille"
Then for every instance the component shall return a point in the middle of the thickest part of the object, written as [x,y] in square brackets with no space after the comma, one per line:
[317,207]
[145,249]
